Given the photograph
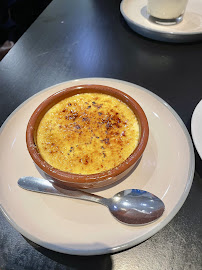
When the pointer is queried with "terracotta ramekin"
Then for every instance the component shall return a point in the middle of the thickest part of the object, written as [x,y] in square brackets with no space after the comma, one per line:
[94,180]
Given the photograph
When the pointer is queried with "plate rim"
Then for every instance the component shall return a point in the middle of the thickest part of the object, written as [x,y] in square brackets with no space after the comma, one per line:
[199,104]
[147,235]
[163,35]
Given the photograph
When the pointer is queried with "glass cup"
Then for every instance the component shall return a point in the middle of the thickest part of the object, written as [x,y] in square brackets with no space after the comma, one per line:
[166,12]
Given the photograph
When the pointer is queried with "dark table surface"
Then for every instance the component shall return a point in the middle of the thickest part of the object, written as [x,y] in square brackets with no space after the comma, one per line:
[54,49]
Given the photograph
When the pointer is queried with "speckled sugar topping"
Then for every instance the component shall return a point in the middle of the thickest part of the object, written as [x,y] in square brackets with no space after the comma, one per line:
[87,133]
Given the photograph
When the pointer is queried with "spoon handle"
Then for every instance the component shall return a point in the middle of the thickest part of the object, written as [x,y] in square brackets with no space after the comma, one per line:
[44,186]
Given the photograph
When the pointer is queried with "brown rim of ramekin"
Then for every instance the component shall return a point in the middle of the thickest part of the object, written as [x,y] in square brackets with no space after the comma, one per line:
[79,178]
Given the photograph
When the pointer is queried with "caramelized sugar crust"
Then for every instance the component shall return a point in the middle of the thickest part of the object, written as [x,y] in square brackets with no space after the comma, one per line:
[87,133]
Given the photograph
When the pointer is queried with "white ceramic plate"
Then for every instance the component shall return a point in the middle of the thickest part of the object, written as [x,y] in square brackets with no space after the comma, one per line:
[83,228]
[190,29]
[196,128]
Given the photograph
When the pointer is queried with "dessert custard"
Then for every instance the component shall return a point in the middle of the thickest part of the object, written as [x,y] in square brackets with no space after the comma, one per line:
[87,133]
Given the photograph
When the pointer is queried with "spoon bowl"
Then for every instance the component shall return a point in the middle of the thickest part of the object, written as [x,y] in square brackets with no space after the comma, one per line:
[131,206]
[134,206]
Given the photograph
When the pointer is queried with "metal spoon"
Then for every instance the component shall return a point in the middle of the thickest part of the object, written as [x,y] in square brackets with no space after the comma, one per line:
[131,206]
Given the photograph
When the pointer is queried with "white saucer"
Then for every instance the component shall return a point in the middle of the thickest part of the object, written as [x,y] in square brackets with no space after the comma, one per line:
[190,29]
[83,228]
[196,128]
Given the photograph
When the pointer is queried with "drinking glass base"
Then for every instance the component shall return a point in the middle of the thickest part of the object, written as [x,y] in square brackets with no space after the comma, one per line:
[166,21]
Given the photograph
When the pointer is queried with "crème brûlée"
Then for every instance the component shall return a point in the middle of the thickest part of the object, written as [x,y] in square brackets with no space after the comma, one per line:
[87,133]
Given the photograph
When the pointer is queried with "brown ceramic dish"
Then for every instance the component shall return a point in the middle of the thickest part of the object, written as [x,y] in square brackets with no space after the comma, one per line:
[90,180]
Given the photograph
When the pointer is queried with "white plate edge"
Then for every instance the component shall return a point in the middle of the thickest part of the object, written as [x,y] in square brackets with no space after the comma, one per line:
[193,130]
